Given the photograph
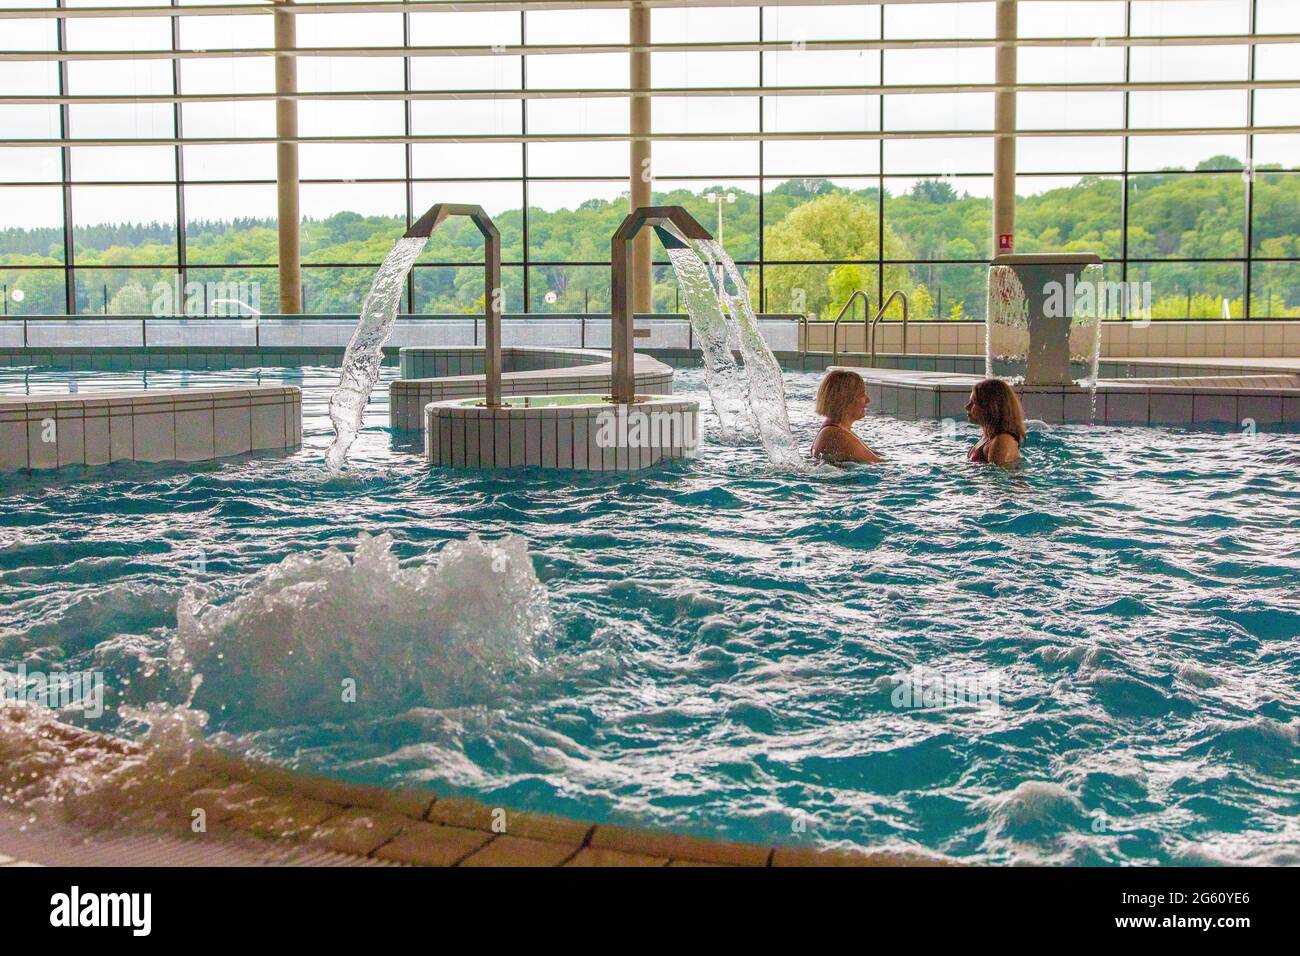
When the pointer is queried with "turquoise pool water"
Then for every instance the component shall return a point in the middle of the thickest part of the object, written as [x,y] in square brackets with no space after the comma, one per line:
[714,647]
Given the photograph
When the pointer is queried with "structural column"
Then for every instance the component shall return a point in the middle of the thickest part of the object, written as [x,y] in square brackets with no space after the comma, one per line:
[639,171]
[1004,143]
[286,163]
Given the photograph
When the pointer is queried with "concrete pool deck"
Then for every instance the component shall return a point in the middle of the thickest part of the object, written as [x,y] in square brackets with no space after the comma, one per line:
[260,814]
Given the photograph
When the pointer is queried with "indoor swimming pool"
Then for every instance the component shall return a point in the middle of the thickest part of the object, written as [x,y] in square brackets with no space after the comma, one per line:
[1084,661]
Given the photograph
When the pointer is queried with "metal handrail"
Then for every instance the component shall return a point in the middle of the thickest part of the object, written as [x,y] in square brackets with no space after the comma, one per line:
[835,326]
[896,294]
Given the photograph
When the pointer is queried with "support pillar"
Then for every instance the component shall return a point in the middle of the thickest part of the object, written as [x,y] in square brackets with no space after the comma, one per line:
[640,178]
[1004,143]
[286,164]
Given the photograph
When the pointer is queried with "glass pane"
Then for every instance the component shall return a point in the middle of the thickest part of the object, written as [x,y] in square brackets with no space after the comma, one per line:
[1070,214]
[254,161]
[471,160]
[1275,290]
[228,225]
[351,223]
[818,291]
[704,158]
[1190,17]
[1275,232]
[727,209]
[573,222]
[233,290]
[1282,152]
[122,291]
[1050,154]
[1191,290]
[458,240]
[1154,153]
[942,291]
[328,291]
[582,159]
[121,225]
[33,291]
[932,157]
[947,218]
[821,158]
[569,288]
[446,290]
[1187,216]
[31,225]
[352,161]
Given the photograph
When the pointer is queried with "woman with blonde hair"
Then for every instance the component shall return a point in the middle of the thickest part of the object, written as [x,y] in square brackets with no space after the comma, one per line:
[995,407]
[842,400]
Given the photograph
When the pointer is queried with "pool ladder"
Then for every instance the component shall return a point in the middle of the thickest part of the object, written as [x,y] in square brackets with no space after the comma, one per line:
[868,324]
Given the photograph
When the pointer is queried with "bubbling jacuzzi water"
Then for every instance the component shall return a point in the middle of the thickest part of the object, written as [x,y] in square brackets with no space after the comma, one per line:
[1090,661]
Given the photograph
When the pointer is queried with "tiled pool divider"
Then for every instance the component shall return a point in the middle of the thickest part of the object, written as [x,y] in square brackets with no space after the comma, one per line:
[583,437]
[189,425]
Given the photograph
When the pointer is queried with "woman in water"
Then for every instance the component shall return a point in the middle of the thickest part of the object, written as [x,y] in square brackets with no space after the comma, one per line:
[995,408]
[842,400]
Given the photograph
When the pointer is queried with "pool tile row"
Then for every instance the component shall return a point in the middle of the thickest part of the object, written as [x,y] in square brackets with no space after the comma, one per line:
[567,437]
[45,431]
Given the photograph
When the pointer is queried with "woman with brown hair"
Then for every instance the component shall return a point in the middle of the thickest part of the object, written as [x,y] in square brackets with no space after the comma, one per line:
[842,400]
[995,407]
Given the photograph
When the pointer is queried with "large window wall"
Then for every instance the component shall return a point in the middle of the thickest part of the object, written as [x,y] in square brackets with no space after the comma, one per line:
[1212,221]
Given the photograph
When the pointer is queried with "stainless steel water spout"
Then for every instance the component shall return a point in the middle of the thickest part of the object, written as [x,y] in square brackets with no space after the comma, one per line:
[493,294]
[623,381]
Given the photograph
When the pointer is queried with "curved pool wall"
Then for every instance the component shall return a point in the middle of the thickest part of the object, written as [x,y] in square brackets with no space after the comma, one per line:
[442,374]
[580,433]
[187,425]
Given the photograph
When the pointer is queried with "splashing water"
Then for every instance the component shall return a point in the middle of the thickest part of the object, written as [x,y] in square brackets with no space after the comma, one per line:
[365,350]
[439,633]
[720,317]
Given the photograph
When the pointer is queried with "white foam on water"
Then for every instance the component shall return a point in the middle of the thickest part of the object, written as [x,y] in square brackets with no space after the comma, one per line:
[336,636]
[365,351]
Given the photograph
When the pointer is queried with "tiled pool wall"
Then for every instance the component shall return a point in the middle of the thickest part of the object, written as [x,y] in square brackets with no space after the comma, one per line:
[563,437]
[1114,404]
[188,425]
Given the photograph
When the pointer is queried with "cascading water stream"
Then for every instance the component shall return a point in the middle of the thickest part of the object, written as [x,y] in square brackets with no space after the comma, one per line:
[766,383]
[365,350]
[721,316]
[722,376]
